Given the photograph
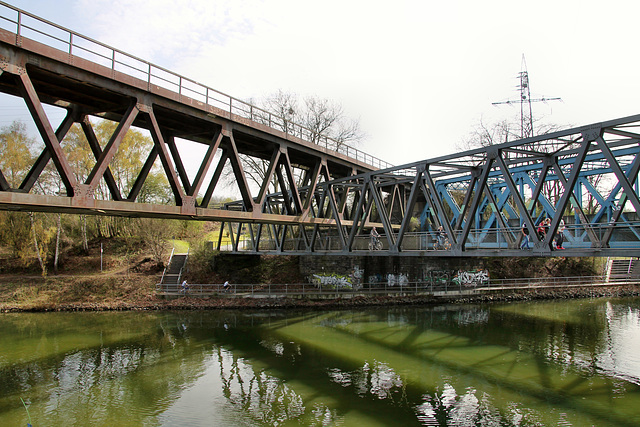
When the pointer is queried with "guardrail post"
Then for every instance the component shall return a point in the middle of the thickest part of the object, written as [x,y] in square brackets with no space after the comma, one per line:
[19,28]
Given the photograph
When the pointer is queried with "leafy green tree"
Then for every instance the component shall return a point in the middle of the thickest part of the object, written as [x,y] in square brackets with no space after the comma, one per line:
[125,167]
[78,153]
[15,230]
[16,155]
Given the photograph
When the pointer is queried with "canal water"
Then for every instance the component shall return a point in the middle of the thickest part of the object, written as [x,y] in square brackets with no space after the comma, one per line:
[550,363]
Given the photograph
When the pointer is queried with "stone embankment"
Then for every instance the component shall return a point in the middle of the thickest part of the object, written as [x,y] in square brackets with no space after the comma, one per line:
[216,303]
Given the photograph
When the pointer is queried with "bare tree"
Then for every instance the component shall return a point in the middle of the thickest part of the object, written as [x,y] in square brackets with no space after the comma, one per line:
[324,122]
[487,134]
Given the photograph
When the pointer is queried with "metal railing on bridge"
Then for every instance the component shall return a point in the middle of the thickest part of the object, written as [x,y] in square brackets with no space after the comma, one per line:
[25,24]
[575,237]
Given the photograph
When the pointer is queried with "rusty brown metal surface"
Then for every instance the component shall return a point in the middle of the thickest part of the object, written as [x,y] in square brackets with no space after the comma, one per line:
[41,74]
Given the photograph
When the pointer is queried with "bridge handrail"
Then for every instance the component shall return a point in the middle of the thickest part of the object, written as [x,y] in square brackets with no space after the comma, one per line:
[155,74]
[168,264]
[185,263]
[574,237]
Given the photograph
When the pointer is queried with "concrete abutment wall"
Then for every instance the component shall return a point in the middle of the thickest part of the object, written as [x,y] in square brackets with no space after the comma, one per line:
[376,269]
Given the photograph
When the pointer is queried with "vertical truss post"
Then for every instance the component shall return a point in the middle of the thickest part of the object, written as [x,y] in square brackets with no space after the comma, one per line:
[413,196]
[480,185]
[516,196]
[388,228]
[358,219]
[439,207]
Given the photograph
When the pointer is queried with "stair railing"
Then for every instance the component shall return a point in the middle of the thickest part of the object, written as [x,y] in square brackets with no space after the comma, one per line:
[168,264]
[183,265]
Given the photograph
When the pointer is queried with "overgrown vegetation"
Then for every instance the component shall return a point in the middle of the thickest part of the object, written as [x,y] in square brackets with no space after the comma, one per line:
[208,266]
[518,268]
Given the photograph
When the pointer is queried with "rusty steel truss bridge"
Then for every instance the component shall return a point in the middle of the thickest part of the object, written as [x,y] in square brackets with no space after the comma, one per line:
[319,197]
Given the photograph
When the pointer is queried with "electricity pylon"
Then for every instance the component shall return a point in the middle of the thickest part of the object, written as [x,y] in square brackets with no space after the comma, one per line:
[526,116]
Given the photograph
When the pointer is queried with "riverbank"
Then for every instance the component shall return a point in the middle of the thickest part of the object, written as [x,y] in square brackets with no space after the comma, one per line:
[137,292]
[128,283]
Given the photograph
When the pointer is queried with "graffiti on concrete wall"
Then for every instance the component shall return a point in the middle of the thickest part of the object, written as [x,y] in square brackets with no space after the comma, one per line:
[471,278]
[331,281]
[357,274]
[389,280]
[397,280]
[439,277]
[457,277]
[339,281]
[375,279]
[354,280]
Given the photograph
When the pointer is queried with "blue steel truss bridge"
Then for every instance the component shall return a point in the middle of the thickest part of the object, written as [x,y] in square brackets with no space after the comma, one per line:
[315,195]
[583,181]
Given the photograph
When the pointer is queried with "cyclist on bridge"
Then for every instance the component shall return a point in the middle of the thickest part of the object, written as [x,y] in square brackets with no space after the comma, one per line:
[441,235]
[374,237]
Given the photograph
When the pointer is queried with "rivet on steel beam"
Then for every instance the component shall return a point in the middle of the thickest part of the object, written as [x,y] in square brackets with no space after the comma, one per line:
[591,133]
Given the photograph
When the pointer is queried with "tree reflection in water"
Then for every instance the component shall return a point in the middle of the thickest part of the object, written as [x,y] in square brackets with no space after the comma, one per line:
[265,398]
[544,363]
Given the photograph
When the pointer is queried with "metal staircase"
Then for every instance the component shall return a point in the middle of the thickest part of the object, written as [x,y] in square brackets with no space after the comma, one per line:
[173,272]
[623,269]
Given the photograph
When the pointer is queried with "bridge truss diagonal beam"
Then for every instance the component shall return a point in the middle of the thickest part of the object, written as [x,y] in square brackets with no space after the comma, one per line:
[312,199]
[41,75]
[483,198]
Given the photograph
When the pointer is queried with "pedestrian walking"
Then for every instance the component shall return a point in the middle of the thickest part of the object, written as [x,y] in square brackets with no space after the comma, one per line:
[525,237]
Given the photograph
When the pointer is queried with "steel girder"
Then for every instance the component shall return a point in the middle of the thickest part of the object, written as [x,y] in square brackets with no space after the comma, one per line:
[44,76]
[483,197]
[325,201]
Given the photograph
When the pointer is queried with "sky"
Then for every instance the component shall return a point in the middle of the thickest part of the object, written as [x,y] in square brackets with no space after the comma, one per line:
[418,75]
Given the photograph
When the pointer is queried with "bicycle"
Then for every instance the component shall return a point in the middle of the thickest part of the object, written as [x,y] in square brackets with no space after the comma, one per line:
[375,246]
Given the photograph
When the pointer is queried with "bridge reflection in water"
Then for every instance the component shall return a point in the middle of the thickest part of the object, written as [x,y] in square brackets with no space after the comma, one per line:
[543,363]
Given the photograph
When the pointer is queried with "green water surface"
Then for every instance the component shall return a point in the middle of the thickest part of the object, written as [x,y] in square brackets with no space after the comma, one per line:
[553,363]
